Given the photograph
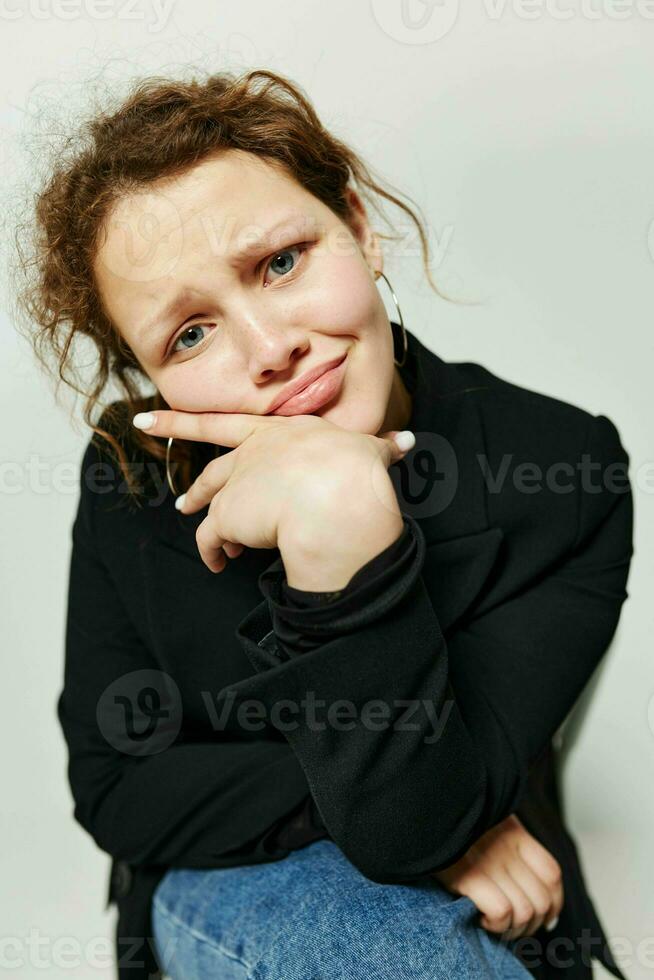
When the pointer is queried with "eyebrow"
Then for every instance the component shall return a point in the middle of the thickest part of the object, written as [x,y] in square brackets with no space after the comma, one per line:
[173,307]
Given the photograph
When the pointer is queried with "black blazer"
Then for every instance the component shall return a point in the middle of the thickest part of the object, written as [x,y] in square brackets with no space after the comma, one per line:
[493,631]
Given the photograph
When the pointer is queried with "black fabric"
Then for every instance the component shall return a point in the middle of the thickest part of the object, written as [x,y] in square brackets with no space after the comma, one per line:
[302,620]
[488,626]
[300,828]
[305,824]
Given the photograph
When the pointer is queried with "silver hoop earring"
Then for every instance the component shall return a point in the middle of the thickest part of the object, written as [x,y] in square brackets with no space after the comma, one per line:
[399,313]
[168,476]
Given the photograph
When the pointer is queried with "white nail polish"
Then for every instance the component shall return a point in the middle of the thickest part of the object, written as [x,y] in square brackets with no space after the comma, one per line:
[552,924]
[405,440]
[143,420]
[179,503]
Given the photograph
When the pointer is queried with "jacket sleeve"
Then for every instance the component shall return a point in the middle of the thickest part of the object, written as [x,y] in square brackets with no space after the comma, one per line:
[305,824]
[301,620]
[162,800]
[414,746]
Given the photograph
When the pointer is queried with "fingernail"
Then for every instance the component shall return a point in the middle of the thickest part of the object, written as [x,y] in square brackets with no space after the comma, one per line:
[143,420]
[179,503]
[405,440]
[552,924]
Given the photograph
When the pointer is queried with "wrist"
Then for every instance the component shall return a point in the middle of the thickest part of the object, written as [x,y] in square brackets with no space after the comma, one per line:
[327,561]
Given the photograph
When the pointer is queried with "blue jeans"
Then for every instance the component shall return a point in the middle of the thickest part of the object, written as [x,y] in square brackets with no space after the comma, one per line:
[314,916]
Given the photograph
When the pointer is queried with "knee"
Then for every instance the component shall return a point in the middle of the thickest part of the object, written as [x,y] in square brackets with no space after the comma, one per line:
[385,931]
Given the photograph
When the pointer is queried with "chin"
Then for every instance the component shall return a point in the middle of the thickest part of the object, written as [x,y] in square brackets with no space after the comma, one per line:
[350,418]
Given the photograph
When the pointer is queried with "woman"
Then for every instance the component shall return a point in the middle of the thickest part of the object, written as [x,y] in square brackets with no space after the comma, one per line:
[352,776]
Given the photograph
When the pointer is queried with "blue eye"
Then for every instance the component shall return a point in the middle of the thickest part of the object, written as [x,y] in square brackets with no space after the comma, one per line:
[188,330]
[286,266]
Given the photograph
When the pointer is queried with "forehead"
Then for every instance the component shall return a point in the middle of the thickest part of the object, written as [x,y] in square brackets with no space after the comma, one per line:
[227,195]
[217,209]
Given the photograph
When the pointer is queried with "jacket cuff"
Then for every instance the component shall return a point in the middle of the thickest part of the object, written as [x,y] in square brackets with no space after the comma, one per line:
[293,598]
[373,590]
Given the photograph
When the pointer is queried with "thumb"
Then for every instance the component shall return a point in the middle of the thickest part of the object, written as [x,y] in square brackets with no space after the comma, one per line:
[399,442]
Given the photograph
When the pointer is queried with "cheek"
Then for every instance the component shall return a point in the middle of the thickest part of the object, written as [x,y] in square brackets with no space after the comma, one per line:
[197,389]
[346,297]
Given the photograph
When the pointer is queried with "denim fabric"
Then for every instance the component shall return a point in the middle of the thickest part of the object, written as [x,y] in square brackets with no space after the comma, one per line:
[314,916]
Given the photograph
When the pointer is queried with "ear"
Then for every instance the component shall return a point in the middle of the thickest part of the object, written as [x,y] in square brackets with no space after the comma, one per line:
[368,239]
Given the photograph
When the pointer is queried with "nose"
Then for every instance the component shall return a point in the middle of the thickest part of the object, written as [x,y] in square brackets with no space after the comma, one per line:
[276,351]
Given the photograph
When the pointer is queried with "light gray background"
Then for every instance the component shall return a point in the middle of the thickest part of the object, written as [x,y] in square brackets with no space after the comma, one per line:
[525,136]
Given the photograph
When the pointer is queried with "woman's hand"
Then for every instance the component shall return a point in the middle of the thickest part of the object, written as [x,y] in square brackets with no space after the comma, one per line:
[512,879]
[320,493]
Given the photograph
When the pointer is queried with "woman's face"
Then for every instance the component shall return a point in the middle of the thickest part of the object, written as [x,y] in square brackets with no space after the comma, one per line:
[232,281]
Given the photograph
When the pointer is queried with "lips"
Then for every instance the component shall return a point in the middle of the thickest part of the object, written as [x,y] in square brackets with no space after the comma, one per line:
[295,387]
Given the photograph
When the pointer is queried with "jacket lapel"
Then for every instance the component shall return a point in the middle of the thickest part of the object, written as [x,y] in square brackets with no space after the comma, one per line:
[456,572]
[440,483]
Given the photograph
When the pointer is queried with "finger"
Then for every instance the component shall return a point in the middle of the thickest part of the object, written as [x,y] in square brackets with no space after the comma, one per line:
[548,869]
[211,544]
[397,444]
[495,908]
[219,428]
[522,909]
[537,892]
[207,484]
[232,549]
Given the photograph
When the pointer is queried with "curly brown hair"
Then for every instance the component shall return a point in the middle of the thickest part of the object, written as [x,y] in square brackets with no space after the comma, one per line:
[160,130]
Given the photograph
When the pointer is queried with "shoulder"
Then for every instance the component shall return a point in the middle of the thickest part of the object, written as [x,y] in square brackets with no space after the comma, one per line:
[533,422]
[114,460]
[553,471]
